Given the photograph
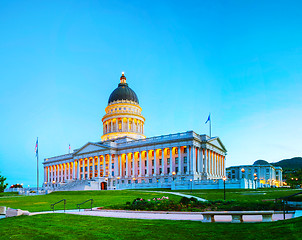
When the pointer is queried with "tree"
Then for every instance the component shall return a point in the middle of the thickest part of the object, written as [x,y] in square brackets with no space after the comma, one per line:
[3,185]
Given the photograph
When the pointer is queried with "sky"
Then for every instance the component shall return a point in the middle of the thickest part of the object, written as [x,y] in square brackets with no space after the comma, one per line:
[241,61]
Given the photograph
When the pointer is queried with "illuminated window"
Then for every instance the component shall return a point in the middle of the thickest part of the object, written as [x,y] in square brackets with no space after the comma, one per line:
[176,150]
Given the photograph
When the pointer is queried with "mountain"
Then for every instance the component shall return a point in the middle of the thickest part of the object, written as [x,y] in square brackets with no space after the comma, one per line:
[293,163]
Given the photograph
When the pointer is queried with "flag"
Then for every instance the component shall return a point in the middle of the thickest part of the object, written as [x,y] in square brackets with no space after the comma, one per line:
[36,148]
[209,118]
[69,146]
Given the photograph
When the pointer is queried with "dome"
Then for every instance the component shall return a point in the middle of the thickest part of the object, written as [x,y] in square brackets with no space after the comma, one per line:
[123,92]
[261,162]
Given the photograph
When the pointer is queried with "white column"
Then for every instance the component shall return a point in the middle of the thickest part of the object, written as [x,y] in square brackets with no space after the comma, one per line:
[190,157]
[163,161]
[171,161]
[45,174]
[110,164]
[148,164]
[62,172]
[99,169]
[111,126]
[133,168]
[155,163]
[200,170]
[127,130]
[78,170]
[88,168]
[140,165]
[179,161]
[121,165]
[65,171]
[93,167]
[115,160]
[126,160]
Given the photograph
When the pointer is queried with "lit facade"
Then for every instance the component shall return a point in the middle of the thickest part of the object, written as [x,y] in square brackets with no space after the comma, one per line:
[126,158]
[265,174]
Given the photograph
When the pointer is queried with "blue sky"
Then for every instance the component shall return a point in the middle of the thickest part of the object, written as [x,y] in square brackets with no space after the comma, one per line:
[60,60]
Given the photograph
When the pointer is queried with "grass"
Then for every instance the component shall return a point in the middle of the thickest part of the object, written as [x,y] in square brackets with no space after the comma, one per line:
[65,226]
[8,194]
[101,199]
[247,195]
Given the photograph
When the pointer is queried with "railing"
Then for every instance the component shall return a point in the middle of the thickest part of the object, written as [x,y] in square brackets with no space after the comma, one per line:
[52,206]
[284,201]
[79,204]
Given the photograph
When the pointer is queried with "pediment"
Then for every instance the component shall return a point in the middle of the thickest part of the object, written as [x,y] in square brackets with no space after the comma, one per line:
[217,142]
[90,147]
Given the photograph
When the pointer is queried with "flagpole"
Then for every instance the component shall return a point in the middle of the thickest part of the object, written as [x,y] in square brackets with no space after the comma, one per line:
[37,167]
[210,128]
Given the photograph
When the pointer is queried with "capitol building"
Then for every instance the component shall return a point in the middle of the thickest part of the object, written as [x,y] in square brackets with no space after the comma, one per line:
[125,158]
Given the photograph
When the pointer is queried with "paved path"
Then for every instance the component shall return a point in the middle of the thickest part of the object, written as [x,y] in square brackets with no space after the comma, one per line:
[181,194]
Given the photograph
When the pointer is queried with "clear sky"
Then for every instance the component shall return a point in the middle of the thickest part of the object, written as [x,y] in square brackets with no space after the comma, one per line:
[60,60]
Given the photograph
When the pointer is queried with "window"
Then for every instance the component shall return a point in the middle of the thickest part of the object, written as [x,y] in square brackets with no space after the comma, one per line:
[112,173]
[113,183]
[112,165]
[168,170]
[86,176]
[233,171]
[185,150]
[145,171]
[96,167]
[185,169]
[176,160]
[160,171]
[185,160]
[176,150]
[131,164]
[152,171]
[160,152]
[145,163]
[85,168]
[129,181]
[153,163]
[168,151]
[123,181]
[124,108]
[168,161]
[120,109]
[176,169]
[150,180]
[166,180]
[82,169]
[90,168]
[160,162]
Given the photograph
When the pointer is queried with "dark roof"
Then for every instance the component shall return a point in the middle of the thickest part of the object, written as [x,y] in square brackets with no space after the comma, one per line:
[261,162]
[123,92]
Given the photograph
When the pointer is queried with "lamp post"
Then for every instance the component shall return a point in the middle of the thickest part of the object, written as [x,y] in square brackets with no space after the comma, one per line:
[255,178]
[242,171]
[134,181]
[224,178]
[191,184]
[173,176]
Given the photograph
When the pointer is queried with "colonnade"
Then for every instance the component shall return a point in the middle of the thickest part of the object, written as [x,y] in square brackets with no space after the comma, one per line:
[180,160]
[123,124]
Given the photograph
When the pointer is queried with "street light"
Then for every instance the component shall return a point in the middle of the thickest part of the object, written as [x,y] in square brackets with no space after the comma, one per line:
[191,184]
[242,171]
[224,178]
[255,178]
[173,175]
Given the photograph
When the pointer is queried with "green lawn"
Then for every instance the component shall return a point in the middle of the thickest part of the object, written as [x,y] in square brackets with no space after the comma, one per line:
[65,226]
[101,199]
[243,194]
[8,194]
